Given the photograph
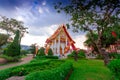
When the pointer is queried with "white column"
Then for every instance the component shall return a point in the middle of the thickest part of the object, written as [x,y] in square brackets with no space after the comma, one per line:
[66,41]
[63,46]
[52,46]
[58,46]
[55,46]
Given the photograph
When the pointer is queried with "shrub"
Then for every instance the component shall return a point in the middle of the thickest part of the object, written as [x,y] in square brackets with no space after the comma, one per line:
[72,54]
[118,56]
[41,52]
[99,56]
[10,59]
[114,55]
[114,66]
[4,74]
[24,52]
[50,52]
[29,68]
[81,54]
[58,73]
[51,57]
[19,70]
[39,60]
[46,57]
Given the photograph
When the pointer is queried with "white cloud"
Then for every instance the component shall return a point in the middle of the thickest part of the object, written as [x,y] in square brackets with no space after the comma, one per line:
[44,3]
[79,41]
[40,39]
[30,39]
[47,10]
[24,15]
[40,10]
[43,31]
[40,17]
[20,18]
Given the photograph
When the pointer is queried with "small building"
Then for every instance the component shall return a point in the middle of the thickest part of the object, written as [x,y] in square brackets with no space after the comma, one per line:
[113,48]
[60,42]
[90,53]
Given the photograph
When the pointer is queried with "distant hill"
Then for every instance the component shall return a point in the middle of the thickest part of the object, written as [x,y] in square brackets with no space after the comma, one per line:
[25,47]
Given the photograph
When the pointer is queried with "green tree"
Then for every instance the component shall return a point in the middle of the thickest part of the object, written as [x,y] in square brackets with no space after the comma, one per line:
[108,38]
[89,42]
[3,39]
[50,52]
[11,25]
[13,49]
[92,16]
[41,51]
[81,54]
[32,48]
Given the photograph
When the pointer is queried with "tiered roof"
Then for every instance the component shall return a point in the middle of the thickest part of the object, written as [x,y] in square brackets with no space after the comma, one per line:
[57,32]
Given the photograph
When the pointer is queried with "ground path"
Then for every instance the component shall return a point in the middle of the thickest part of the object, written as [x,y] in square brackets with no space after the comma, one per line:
[23,61]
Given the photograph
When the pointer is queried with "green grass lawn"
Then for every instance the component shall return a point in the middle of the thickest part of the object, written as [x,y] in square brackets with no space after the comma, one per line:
[90,70]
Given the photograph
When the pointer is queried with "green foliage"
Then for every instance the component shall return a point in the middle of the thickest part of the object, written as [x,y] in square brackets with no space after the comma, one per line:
[11,25]
[13,49]
[46,57]
[81,54]
[41,52]
[3,39]
[4,74]
[114,55]
[39,60]
[10,59]
[32,48]
[99,56]
[86,11]
[29,68]
[58,73]
[107,38]
[93,16]
[24,52]
[51,57]
[114,66]
[50,52]
[72,54]
[89,42]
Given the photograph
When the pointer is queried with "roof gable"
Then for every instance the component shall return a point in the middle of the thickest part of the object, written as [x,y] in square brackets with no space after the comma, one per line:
[57,32]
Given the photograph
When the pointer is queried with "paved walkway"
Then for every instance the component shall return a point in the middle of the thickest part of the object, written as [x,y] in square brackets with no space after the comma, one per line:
[24,60]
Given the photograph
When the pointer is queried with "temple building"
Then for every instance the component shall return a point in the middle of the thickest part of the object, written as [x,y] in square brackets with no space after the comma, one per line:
[60,42]
[113,48]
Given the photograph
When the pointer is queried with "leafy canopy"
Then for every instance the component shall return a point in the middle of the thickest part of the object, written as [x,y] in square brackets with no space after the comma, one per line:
[92,16]
[3,39]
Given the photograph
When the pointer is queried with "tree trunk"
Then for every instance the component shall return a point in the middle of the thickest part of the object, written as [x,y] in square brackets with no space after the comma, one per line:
[99,46]
[75,56]
[105,54]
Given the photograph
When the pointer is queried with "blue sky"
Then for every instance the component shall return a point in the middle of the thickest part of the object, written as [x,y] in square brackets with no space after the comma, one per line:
[40,17]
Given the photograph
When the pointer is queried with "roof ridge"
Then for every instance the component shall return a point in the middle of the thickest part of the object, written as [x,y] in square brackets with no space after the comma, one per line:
[58,31]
